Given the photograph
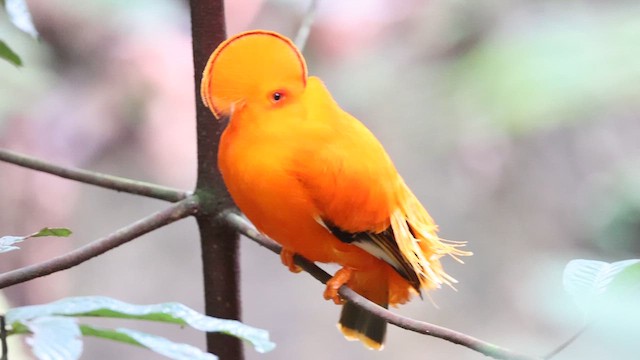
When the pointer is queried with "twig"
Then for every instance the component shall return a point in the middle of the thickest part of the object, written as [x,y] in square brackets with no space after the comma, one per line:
[94,178]
[175,212]
[494,351]
[568,342]
[305,27]
[3,338]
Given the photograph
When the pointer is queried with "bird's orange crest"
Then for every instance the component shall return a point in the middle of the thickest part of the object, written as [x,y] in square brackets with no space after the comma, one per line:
[253,66]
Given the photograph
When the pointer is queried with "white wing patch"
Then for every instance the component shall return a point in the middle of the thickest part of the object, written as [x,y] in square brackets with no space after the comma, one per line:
[319,220]
[378,252]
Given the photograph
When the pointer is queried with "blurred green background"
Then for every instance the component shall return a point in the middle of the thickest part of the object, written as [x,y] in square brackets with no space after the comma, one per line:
[517,123]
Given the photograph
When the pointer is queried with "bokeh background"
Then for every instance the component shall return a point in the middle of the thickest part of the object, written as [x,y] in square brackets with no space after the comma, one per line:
[517,123]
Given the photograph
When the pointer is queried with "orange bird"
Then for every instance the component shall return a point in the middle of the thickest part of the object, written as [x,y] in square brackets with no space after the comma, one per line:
[317,181]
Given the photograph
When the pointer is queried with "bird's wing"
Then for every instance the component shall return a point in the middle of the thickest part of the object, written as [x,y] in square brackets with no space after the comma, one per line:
[382,245]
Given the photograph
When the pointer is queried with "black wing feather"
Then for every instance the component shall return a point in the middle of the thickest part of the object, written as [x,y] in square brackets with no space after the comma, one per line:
[385,242]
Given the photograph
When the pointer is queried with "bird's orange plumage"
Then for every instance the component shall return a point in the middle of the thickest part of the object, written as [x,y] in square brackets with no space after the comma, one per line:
[316,180]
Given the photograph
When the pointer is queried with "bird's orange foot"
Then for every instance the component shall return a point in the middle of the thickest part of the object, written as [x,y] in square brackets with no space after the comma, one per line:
[340,278]
[286,256]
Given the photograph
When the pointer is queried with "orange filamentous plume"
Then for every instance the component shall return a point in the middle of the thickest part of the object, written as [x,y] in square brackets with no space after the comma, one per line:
[317,181]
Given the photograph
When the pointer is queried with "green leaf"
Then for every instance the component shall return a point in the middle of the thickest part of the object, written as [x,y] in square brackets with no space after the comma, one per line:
[60,232]
[108,334]
[54,338]
[20,16]
[175,313]
[157,344]
[627,283]
[7,54]
[7,242]
[590,281]
[166,347]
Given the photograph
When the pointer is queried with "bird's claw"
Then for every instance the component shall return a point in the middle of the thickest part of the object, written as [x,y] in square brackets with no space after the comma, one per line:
[286,256]
[340,278]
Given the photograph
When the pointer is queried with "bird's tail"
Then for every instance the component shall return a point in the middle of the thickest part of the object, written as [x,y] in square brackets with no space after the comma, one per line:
[416,235]
[358,324]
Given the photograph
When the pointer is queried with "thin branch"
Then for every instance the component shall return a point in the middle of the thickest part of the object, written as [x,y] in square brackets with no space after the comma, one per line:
[568,342]
[173,213]
[305,27]
[494,351]
[95,178]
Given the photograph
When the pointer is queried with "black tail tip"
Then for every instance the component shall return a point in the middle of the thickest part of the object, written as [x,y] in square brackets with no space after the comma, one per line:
[358,324]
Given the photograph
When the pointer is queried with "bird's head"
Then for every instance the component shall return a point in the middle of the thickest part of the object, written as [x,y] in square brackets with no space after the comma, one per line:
[257,67]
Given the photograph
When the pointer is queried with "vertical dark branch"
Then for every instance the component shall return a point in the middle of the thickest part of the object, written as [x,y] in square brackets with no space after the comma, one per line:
[207,31]
[3,338]
[221,284]
[219,242]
